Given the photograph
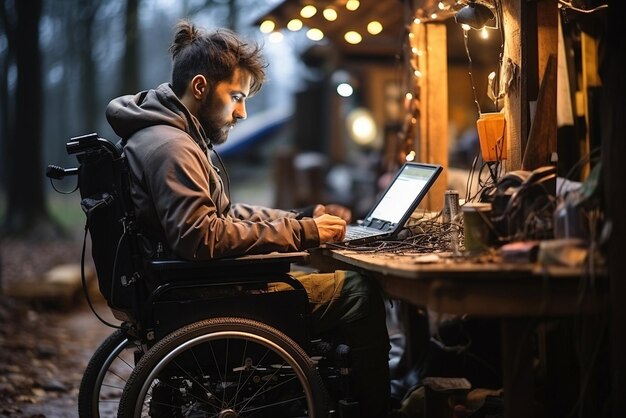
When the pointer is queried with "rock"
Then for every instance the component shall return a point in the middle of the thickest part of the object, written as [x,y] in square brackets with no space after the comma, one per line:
[53,385]
[46,351]
[61,286]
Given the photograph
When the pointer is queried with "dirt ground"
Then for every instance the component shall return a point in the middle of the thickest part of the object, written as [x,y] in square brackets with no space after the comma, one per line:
[43,349]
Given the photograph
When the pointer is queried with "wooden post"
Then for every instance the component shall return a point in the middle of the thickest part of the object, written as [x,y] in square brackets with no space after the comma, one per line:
[531,38]
[433,123]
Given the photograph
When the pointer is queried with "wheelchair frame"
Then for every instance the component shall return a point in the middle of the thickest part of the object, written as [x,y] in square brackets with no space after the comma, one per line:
[175,311]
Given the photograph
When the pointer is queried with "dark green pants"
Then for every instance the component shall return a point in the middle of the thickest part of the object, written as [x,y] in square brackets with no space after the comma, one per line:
[351,308]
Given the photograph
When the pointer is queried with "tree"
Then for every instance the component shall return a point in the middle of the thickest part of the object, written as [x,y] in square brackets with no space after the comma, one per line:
[26,213]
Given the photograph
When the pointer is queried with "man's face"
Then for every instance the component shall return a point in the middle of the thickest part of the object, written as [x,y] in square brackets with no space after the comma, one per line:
[224,105]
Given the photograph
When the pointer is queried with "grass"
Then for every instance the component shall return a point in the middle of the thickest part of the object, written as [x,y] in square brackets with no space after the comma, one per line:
[66,210]
[63,209]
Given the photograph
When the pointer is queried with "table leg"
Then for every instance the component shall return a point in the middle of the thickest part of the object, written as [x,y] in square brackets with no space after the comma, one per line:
[517,367]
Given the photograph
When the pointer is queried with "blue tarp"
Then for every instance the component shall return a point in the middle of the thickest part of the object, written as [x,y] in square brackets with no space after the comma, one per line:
[254,130]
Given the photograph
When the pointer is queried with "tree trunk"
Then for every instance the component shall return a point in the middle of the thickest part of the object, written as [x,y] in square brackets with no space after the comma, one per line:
[88,68]
[26,206]
[130,75]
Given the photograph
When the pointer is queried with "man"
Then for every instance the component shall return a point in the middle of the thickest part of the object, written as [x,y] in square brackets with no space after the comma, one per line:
[183,205]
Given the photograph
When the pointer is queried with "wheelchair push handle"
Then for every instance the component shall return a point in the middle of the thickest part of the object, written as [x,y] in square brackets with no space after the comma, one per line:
[57,173]
[90,143]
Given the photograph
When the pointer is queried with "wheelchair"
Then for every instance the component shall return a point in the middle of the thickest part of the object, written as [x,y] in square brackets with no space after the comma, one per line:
[197,339]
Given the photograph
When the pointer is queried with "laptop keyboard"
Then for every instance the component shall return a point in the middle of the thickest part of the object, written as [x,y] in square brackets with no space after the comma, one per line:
[356,233]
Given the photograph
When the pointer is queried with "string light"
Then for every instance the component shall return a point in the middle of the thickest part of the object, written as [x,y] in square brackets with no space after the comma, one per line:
[294,25]
[267,26]
[315,34]
[330,14]
[352,5]
[352,37]
[308,11]
[374,27]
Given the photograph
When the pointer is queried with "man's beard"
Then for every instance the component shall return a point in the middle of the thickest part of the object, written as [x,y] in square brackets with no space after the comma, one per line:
[215,133]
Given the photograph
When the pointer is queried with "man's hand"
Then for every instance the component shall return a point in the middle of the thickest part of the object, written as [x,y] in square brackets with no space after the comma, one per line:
[330,228]
[333,209]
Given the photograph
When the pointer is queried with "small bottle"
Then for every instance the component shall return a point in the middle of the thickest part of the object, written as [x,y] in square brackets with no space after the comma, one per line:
[450,213]
[450,206]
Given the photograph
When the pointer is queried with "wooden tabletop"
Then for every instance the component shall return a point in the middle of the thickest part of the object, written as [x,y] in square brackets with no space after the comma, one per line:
[479,286]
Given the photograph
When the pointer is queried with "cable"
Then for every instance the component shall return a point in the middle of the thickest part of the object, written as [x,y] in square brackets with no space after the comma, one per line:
[84,281]
[469,59]
[227,178]
[61,191]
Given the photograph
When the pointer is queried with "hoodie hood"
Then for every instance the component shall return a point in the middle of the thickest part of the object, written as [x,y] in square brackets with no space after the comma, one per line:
[160,106]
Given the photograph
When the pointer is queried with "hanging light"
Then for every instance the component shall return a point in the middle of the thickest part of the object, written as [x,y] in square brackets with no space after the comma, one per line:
[352,5]
[352,37]
[267,26]
[330,14]
[308,11]
[374,27]
[475,15]
[315,34]
[294,25]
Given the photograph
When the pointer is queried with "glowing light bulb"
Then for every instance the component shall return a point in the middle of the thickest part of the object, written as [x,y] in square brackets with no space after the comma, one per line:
[352,37]
[294,25]
[374,27]
[345,90]
[267,26]
[308,11]
[410,156]
[330,14]
[361,126]
[315,34]
[352,5]
[484,34]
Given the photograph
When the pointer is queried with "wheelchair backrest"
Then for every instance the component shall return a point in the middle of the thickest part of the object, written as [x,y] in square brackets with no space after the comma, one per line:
[103,184]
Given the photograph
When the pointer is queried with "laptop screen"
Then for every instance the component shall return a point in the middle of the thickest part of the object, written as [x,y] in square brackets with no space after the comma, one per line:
[404,193]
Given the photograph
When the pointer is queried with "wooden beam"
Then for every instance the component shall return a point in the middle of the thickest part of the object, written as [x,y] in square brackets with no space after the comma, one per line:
[433,88]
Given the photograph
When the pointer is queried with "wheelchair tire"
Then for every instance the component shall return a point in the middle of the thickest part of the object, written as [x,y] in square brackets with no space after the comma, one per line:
[260,372]
[105,376]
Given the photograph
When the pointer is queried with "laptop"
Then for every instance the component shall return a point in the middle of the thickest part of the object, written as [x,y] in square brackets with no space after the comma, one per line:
[395,205]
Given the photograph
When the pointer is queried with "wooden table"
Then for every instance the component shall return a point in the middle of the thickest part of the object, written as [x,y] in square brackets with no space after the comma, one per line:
[517,293]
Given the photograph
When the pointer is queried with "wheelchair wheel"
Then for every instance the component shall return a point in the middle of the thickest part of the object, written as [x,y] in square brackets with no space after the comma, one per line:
[105,376]
[228,368]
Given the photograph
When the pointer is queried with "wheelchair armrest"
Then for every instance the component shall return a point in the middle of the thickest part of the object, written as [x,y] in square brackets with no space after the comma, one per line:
[245,260]
[244,268]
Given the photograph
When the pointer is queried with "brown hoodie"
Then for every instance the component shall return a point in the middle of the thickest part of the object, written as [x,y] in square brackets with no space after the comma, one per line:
[178,193]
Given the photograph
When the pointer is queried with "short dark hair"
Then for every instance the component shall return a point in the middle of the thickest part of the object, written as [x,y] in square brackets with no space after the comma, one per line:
[215,54]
